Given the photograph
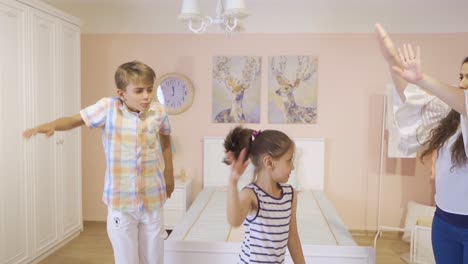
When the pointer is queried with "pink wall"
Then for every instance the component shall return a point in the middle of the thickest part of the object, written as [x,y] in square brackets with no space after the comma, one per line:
[352,77]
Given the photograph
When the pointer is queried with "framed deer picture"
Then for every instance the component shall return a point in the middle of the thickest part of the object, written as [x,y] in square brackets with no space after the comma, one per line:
[236,89]
[292,90]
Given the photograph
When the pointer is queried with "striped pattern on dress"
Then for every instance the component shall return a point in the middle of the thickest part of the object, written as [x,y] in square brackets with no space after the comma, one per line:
[267,229]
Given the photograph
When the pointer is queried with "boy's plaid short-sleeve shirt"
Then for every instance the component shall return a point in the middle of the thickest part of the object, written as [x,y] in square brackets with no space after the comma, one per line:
[134,180]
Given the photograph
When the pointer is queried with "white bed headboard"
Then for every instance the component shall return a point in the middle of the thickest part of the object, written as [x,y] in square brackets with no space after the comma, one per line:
[309,164]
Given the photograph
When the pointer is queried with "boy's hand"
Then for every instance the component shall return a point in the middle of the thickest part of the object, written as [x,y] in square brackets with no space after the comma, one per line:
[169,179]
[238,166]
[47,129]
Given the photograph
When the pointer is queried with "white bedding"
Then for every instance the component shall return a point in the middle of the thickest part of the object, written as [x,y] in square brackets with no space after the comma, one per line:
[206,220]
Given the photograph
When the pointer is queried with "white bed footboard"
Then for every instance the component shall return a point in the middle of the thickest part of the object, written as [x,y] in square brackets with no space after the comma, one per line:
[183,252]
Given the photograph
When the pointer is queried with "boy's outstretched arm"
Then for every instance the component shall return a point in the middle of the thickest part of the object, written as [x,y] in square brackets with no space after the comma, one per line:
[294,242]
[165,141]
[61,124]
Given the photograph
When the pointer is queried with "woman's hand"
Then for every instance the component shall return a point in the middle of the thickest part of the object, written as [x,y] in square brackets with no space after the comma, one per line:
[390,54]
[386,46]
[411,64]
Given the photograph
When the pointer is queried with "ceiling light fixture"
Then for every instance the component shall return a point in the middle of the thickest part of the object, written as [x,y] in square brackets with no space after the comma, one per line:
[228,16]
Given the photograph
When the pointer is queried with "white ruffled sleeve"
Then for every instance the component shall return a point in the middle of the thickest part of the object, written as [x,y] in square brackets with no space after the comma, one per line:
[464,125]
[416,117]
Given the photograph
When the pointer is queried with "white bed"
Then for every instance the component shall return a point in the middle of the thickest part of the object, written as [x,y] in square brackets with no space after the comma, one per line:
[204,235]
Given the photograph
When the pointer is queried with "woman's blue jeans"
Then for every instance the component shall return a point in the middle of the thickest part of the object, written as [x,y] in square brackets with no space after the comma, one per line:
[449,242]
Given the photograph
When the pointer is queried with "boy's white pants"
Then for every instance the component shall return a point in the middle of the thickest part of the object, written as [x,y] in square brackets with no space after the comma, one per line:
[137,238]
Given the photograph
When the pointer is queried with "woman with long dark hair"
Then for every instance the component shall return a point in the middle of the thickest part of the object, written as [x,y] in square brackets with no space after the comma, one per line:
[434,114]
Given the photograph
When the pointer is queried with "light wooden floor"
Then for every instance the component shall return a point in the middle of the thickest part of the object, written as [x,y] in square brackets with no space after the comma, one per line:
[389,247]
[93,247]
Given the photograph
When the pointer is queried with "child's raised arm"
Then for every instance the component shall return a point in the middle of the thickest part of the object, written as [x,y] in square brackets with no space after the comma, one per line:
[238,204]
[61,124]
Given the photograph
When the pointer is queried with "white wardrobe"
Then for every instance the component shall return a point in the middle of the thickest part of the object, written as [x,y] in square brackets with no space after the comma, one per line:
[40,178]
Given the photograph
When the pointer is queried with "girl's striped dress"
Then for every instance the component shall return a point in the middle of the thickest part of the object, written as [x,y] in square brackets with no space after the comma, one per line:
[267,229]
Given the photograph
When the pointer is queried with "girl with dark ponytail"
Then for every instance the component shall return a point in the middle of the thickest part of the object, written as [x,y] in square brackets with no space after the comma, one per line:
[267,206]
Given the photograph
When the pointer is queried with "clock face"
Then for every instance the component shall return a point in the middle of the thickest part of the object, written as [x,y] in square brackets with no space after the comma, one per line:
[175,92]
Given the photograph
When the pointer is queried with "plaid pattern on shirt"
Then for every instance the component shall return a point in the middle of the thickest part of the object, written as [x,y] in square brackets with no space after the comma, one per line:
[134,180]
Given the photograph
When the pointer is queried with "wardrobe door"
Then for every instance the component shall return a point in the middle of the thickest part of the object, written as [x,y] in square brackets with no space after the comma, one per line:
[13,117]
[44,85]
[70,151]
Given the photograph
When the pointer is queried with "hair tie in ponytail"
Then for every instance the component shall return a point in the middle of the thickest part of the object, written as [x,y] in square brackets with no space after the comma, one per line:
[255,134]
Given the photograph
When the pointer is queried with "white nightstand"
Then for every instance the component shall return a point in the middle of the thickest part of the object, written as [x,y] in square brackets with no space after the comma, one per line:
[176,206]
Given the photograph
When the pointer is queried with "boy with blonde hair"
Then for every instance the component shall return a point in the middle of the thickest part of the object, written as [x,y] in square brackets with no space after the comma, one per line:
[135,187]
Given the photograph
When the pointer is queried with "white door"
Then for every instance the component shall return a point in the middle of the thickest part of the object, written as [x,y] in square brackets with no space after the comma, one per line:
[13,178]
[43,79]
[70,154]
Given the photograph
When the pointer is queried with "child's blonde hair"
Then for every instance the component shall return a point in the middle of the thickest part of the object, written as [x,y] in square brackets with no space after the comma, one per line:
[133,72]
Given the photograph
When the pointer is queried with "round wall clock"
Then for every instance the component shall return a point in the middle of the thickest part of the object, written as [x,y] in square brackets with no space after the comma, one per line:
[175,92]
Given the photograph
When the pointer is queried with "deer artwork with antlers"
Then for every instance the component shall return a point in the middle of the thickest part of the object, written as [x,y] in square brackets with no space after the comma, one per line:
[306,68]
[236,87]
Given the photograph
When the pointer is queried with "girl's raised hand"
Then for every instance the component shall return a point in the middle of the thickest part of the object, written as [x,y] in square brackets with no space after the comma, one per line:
[239,165]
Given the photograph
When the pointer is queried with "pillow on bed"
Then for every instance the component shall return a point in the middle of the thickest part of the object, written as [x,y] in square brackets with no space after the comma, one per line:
[416,211]
[293,181]
[293,177]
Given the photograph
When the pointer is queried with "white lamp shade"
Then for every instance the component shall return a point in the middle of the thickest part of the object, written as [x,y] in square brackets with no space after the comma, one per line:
[190,10]
[235,8]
